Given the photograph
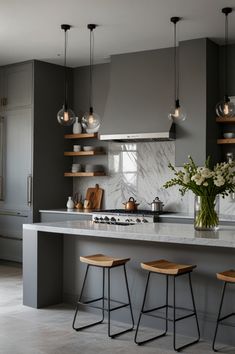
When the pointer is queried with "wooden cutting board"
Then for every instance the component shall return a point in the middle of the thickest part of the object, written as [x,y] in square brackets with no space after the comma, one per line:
[94,195]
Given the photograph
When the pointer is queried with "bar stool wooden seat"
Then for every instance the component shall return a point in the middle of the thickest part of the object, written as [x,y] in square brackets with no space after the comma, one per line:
[105,263]
[227,277]
[174,270]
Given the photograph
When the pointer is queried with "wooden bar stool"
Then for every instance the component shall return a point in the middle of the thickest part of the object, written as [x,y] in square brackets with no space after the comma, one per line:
[106,263]
[174,270]
[227,277]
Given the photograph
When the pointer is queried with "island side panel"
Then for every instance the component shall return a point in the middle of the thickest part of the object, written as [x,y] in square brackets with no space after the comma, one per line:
[42,268]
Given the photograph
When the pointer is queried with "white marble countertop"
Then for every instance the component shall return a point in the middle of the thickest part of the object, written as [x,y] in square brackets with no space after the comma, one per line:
[68,211]
[156,232]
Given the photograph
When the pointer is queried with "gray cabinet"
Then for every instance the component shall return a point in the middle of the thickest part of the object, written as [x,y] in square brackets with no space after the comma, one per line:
[32,148]
[55,216]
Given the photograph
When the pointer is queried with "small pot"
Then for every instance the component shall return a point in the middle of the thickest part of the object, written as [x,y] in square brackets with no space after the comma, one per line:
[156,205]
[131,204]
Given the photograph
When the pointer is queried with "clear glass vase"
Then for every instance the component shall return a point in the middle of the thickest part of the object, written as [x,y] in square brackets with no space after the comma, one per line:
[206,213]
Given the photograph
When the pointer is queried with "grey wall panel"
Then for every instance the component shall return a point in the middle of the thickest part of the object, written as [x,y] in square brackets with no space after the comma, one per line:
[101,77]
[212,96]
[231,70]
[191,134]
[51,188]
[42,264]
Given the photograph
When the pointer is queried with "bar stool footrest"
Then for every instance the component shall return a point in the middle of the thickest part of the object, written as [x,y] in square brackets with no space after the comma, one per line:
[225,317]
[147,312]
[88,302]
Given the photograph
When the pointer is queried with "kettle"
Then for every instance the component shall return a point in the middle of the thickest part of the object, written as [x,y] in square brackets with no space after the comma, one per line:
[156,205]
[131,204]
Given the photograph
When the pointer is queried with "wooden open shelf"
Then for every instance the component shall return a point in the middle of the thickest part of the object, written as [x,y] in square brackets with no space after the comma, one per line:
[230,120]
[80,136]
[226,141]
[83,153]
[83,174]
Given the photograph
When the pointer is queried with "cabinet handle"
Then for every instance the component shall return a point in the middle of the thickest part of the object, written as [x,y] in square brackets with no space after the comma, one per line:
[29,189]
[1,156]
[1,188]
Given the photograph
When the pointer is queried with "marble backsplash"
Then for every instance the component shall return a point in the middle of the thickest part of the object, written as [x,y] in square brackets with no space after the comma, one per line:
[140,170]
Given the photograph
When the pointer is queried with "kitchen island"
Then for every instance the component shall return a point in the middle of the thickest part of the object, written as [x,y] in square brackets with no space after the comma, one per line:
[52,272]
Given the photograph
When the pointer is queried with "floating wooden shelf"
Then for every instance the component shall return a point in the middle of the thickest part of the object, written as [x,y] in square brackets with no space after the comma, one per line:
[83,153]
[83,174]
[80,136]
[230,120]
[226,141]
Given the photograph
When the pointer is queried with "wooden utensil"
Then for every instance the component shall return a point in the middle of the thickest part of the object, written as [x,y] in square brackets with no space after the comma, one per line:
[94,195]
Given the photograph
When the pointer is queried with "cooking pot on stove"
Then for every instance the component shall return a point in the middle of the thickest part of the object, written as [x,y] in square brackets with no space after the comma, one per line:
[156,205]
[131,204]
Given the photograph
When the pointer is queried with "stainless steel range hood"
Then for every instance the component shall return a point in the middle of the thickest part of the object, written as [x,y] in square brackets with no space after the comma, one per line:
[137,103]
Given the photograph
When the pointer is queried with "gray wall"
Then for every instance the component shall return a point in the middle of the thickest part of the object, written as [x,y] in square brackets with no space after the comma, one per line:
[51,188]
[198,92]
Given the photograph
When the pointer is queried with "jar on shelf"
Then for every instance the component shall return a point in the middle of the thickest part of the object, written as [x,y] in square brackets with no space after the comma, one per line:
[77,127]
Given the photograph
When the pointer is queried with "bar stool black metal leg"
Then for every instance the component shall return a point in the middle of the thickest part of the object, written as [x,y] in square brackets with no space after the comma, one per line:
[79,302]
[175,320]
[194,307]
[146,311]
[166,304]
[218,317]
[129,298]
[113,335]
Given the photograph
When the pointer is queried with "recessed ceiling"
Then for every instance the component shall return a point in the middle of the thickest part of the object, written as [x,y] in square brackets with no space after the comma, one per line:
[30,29]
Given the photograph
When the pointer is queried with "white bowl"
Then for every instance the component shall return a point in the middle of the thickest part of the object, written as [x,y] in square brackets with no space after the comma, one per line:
[88,148]
[94,168]
[77,148]
[228,135]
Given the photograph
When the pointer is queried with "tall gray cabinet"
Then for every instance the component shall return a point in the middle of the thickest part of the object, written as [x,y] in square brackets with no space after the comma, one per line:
[31,149]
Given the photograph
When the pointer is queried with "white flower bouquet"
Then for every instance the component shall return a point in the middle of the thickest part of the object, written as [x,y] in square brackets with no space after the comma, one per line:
[206,183]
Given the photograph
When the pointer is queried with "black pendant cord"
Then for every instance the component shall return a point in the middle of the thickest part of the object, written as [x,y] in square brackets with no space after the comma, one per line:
[226,59]
[176,71]
[65,72]
[65,28]
[91,27]
[91,70]
[226,11]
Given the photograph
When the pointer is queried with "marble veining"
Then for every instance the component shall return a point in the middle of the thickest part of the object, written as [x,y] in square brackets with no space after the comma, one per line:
[140,170]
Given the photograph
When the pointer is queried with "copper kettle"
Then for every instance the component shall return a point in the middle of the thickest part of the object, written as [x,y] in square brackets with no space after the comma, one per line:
[131,204]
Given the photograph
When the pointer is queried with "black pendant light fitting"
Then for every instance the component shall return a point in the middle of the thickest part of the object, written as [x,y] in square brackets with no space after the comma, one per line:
[91,120]
[225,108]
[177,113]
[65,116]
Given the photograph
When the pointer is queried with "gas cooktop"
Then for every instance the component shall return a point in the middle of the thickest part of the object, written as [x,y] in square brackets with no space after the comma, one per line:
[126,217]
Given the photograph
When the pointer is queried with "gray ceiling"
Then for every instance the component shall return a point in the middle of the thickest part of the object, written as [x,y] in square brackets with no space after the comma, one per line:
[30,29]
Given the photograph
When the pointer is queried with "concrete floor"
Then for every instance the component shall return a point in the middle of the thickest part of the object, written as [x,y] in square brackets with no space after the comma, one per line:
[24,330]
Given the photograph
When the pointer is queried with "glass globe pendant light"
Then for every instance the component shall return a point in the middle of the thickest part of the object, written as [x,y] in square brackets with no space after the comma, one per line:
[91,120]
[225,108]
[65,116]
[177,113]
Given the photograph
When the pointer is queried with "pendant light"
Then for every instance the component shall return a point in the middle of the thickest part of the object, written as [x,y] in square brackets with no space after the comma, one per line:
[177,113]
[65,116]
[225,108]
[91,120]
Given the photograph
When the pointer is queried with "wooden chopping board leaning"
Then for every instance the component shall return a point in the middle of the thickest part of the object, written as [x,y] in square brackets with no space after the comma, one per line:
[94,197]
